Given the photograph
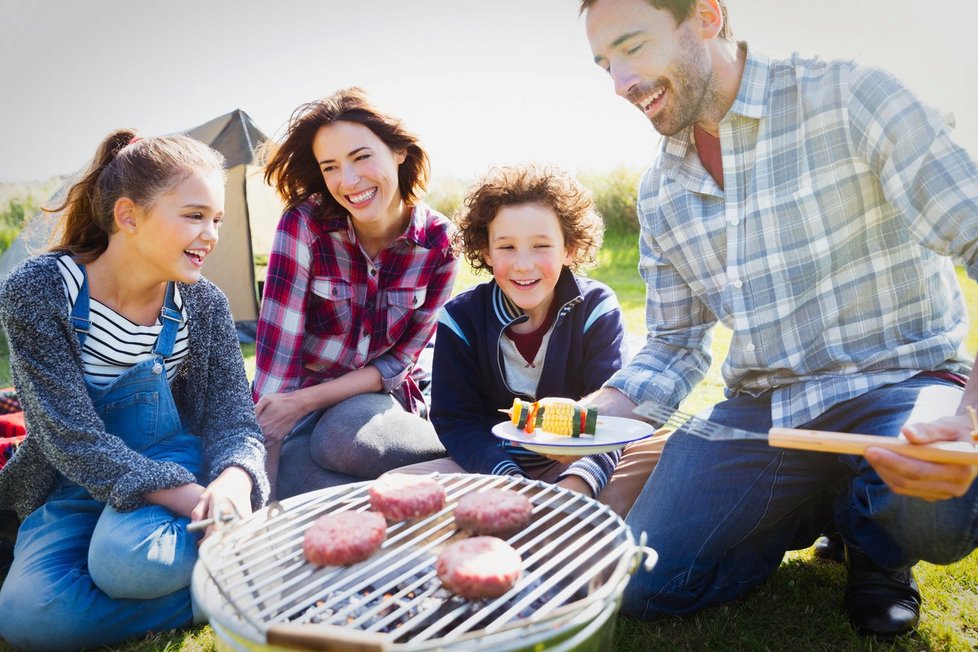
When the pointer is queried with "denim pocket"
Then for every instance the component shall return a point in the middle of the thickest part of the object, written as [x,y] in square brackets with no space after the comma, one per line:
[133,419]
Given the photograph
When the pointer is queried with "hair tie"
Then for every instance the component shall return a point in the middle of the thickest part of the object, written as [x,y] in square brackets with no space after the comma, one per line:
[134,139]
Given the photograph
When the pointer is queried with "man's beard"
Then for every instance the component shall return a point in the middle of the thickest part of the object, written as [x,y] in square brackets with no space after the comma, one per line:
[690,96]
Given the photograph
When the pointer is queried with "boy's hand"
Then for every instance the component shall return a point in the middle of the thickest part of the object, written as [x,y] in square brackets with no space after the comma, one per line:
[575,483]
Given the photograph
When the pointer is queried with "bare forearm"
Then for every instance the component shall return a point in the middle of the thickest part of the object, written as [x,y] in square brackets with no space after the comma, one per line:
[179,500]
[353,383]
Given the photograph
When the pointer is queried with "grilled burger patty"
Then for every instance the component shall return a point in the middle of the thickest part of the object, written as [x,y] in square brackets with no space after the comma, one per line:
[343,538]
[479,567]
[497,512]
[400,496]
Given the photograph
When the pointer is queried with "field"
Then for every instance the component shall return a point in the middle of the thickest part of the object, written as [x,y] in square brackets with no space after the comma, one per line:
[798,608]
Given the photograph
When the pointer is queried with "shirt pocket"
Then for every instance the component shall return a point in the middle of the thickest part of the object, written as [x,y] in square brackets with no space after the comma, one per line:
[401,304]
[330,306]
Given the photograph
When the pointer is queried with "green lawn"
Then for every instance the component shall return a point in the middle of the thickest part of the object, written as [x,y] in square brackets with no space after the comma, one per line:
[799,607]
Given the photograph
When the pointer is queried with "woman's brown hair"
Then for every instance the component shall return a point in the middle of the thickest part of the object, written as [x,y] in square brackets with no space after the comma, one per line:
[125,165]
[294,172]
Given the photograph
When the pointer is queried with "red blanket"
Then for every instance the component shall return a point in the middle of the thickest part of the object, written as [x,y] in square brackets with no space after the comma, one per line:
[12,432]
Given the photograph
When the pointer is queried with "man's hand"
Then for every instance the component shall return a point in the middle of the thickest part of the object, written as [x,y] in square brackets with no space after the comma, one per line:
[928,480]
[611,403]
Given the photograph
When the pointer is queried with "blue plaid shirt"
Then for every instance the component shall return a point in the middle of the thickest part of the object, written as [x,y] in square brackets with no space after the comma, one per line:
[827,254]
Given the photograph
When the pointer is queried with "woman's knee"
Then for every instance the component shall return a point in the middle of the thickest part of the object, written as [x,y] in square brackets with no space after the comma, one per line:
[369,437]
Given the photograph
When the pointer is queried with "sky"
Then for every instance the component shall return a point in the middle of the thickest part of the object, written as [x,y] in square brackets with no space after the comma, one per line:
[481,82]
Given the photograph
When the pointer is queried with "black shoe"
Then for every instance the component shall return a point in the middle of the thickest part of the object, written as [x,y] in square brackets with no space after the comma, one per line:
[880,602]
[830,547]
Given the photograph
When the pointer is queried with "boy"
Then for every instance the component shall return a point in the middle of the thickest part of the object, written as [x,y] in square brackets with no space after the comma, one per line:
[536,330]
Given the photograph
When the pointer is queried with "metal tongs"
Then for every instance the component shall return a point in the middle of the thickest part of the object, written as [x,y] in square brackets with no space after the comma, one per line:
[950,452]
[220,520]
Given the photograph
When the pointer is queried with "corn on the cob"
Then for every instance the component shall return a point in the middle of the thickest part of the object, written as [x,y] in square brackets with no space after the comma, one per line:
[558,416]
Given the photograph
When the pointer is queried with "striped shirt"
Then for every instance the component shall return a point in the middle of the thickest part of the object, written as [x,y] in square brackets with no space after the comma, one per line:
[827,254]
[115,344]
[328,309]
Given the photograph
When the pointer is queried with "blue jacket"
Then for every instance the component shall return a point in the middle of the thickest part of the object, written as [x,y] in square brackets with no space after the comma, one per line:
[468,386]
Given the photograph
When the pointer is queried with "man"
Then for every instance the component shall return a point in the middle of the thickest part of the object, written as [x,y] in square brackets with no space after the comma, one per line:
[810,207]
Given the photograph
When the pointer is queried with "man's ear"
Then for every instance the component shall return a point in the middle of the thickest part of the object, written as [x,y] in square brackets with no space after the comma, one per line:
[124,215]
[710,18]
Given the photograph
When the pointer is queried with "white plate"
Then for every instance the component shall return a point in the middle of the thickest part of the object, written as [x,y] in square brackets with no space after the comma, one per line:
[611,434]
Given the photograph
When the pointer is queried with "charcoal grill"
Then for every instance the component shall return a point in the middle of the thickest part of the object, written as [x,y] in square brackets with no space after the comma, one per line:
[259,593]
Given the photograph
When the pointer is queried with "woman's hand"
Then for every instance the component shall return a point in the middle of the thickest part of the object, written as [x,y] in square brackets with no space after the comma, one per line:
[928,480]
[278,413]
[229,493]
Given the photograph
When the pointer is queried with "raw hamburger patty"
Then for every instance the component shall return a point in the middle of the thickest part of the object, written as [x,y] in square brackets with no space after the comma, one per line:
[400,496]
[479,567]
[499,512]
[343,538]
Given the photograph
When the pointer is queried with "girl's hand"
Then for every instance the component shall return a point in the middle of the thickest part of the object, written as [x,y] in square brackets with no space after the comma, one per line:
[228,494]
[928,480]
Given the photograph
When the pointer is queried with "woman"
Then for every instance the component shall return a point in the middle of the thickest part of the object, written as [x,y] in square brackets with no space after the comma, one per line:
[136,401]
[358,272]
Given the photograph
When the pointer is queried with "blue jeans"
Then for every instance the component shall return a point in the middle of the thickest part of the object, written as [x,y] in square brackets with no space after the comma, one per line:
[722,514]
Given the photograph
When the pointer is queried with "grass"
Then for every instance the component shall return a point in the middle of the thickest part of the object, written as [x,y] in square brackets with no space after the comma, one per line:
[799,608]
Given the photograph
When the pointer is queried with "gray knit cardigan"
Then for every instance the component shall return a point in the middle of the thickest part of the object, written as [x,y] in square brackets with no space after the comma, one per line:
[64,434]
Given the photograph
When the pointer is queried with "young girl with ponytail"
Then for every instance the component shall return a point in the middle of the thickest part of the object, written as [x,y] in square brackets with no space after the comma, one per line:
[139,417]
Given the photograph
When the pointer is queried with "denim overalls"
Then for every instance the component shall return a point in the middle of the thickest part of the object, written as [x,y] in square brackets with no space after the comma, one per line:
[84,574]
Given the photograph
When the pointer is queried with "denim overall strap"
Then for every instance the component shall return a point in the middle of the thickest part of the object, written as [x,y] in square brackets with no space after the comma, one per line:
[79,312]
[171,319]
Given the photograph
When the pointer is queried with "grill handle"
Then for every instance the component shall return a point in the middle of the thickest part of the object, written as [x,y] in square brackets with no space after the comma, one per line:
[320,636]
[640,551]
[948,452]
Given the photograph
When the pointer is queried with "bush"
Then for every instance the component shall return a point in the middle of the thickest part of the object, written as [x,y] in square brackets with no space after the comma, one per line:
[20,201]
[615,196]
[446,194]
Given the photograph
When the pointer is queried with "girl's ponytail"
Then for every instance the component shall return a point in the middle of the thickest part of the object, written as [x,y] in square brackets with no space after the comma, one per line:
[125,165]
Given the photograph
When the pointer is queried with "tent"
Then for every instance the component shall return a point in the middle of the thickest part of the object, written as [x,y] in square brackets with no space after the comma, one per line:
[251,209]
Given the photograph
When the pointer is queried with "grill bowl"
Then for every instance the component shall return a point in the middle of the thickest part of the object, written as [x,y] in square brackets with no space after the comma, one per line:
[258,592]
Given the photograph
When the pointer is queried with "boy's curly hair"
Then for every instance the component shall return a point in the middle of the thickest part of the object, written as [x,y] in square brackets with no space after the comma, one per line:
[582,226]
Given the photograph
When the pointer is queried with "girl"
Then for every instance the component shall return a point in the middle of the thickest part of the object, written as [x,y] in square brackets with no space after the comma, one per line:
[358,272]
[135,397]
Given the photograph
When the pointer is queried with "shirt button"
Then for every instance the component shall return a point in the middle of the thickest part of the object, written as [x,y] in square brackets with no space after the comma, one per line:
[738,283]
[373,272]
[749,347]
[734,222]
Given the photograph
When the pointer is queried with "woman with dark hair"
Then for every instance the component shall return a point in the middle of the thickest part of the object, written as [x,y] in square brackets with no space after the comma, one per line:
[136,401]
[358,273]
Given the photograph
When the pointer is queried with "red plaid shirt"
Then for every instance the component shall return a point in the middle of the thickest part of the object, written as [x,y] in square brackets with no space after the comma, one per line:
[328,309]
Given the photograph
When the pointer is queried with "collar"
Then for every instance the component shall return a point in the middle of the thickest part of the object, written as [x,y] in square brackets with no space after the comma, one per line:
[566,293]
[751,100]
[414,233]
